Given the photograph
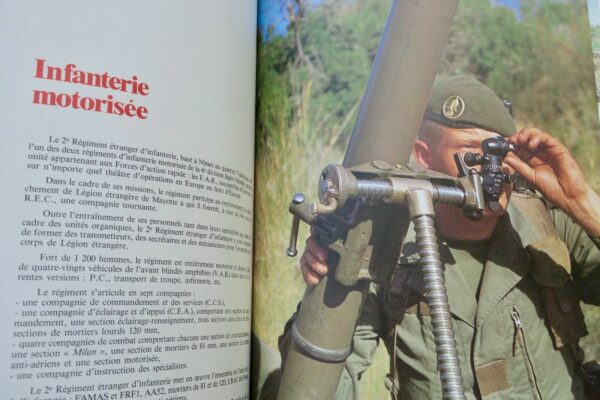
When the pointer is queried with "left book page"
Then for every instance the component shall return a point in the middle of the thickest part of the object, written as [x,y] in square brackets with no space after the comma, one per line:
[127,192]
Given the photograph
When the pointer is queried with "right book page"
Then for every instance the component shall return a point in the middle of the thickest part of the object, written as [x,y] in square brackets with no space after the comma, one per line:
[591,343]
[314,60]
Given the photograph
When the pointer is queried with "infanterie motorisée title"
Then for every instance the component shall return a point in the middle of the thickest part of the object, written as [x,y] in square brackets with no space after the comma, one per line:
[109,105]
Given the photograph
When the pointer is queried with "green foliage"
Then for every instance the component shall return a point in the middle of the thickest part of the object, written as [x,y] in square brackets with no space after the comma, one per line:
[273,96]
[596,40]
[310,81]
[340,44]
[596,52]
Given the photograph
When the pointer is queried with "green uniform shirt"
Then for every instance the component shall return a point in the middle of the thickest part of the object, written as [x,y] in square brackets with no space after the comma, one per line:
[505,345]
[470,258]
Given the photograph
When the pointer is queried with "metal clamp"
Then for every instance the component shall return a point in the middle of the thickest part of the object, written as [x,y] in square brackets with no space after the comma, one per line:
[317,352]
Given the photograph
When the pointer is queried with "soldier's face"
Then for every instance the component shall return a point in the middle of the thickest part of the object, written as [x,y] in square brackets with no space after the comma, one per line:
[435,151]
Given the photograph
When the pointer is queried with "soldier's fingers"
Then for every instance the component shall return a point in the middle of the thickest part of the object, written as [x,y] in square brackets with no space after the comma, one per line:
[536,153]
[534,139]
[522,136]
[309,276]
[310,263]
[525,133]
[521,167]
[317,251]
[524,154]
[314,264]
[520,152]
[533,143]
[521,139]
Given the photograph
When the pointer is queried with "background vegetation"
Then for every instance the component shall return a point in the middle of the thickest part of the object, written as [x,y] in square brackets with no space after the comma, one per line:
[310,80]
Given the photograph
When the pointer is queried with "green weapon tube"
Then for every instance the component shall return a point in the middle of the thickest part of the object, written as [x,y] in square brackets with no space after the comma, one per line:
[401,78]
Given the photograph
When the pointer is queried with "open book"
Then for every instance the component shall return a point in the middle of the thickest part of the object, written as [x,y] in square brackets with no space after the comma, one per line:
[134,207]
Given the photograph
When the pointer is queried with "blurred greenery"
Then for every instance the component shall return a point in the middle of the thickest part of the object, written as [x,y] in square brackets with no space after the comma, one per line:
[309,86]
[596,51]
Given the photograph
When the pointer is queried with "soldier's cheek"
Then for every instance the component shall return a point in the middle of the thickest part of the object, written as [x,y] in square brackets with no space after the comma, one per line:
[447,165]
[505,195]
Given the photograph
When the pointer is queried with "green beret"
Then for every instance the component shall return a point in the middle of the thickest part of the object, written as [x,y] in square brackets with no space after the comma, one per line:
[463,102]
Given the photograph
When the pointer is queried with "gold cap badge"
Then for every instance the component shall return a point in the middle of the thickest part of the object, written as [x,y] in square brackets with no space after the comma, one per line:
[453,107]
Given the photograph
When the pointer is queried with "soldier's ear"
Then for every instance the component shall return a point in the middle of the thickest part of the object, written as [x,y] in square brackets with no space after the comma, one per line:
[421,153]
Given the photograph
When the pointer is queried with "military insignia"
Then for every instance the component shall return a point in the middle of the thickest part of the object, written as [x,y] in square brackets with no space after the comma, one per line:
[453,107]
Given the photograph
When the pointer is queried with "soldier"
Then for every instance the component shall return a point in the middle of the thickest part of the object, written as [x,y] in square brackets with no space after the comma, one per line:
[516,314]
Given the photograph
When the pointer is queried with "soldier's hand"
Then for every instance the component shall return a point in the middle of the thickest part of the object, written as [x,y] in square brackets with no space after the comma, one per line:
[549,166]
[313,262]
